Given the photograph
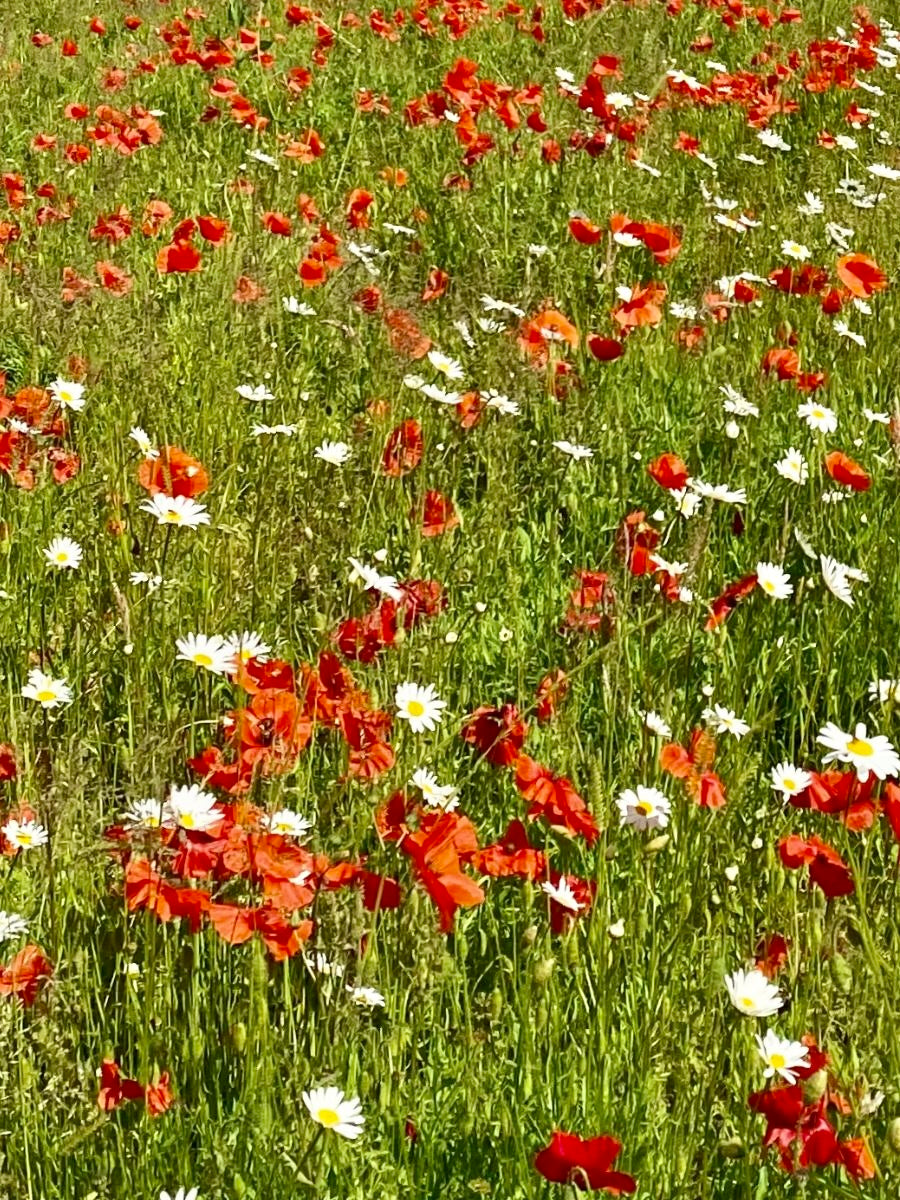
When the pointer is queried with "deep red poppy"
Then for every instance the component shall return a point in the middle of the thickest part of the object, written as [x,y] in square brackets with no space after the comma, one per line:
[584,1162]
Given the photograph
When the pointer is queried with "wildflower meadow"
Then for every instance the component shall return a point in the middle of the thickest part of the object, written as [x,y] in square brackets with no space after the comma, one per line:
[449,600]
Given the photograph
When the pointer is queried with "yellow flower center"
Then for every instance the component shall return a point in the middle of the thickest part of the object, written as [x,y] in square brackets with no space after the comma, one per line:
[644,807]
[818,413]
[328,1117]
[202,660]
[174,516]
[860,746]
[747,1001]
[187,820]
[768,586]
[790,784]
[777,1061]
[24,839]
[415,708]
[62,556]
[45,695]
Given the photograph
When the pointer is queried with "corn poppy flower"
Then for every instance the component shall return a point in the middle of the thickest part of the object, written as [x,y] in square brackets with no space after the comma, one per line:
[554,798]
[826,867]
[861,275]
[496,733]
[725,604]
[178,258]
[439,514]
[511,856]
[550,693]
[584,1163]
[25,974]
[436,285]
[114,1088]
[174,473]
[844,470]
[670,472]
[605,349]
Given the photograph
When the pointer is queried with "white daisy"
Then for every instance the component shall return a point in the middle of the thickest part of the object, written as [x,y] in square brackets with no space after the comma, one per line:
[248,392]
[752,994]
[68,394]
[643,808]
[781,1056]
[657,725]
[795,250]
[885,691]
[446,365]
[562,893]
[374,580]
[725,720]
[272,430]
[836,578]
[212,653]
[790,780]
[574,451]
[287,822]
[64,554]
[793,467]
[248,645]
[869,755]
[49,692]
[176,510]
[12,926]
[366,997]
[420,706]
[335,453]
[192,808]
[143,442]
[329,1107]
[24,835]
[774,580]
[147,814]
[818,417]
[438,795]
[297,308]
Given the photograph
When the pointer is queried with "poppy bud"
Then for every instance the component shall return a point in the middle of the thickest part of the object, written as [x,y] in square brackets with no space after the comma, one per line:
[573,951]
[530,935]
[656,844]
[842,974]
[732,1147]
[893,1135]
[543,969]
[238,1187]
[238,1035]
[814,1088]
[496,1004]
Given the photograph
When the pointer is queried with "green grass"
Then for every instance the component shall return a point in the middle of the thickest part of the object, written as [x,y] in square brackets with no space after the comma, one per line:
[499,1033]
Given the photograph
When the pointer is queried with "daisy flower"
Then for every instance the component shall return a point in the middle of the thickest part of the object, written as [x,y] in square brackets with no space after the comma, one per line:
[49,692]
[335,453]
[781,1056]
[836,577]
[869,755]
[438,795]
[446,365]
[147,814]
[562,893]
[248,645]
[374,580]
[656,724]
[64,554]
[212,653]
[143,442]
[272,430]
[181,1194]
[12,926]
[24,835]
[192,808]
[752,994]
[247,391]
[296,307]
[774,580]
[176,510]
[643,808]
[419,705]
[795,250]
[793,467]
[366,997]
[885,691]
[287,822]
[724,720]
[718,491]
[574,451]
[790,780]
[818,417]
[68,394]
[330,1108]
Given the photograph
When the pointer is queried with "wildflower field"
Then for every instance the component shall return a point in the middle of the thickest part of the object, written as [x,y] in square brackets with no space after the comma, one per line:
[449,600]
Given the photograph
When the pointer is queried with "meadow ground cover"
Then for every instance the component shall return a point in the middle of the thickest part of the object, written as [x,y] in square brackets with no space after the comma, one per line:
[449,600]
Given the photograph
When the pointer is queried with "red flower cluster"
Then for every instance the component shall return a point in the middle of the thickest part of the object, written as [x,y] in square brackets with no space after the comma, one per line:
[23,454]
[116,1090]
[584,1163]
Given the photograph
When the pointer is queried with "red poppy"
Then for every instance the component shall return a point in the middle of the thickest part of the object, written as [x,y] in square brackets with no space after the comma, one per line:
[643,308]
[725,604]
[693,764]
[158,1096]
[584,1162]
[585,231]
[605,349]
[404,333]
[497,733]
[554,798]
[174,473]
[8,769]
[439,514]
[844,470]
[669,471]
[114,1088]
[550,692]
[784,362]
[247,290]
[358,203]
[513,855]
[403,449]
[591,603]
[179,257]
[861,275]
[636,538]
[438,281]
[277,223]
[113,278]
[826,867]
[25,974]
